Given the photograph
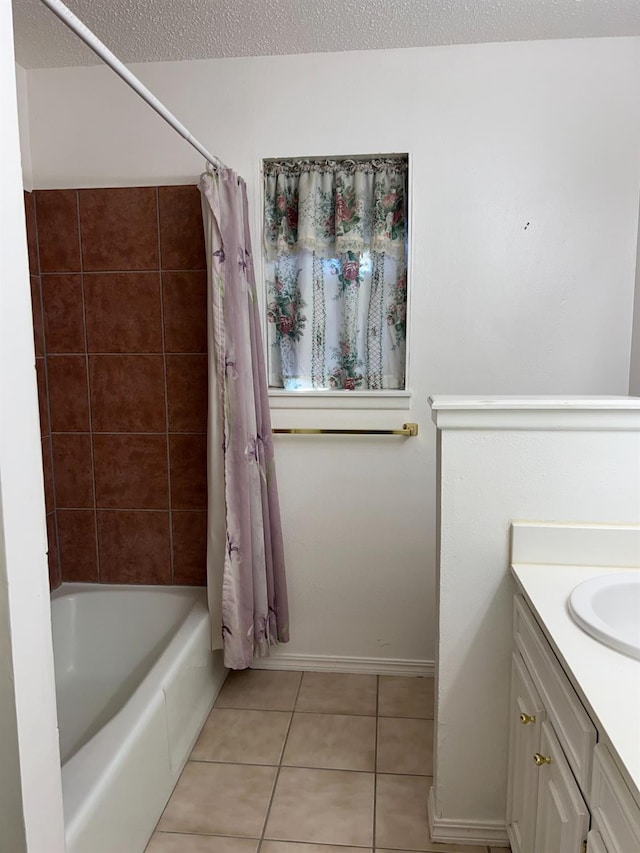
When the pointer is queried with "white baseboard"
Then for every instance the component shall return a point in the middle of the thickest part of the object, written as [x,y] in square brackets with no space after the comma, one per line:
[374,666]
[448,831]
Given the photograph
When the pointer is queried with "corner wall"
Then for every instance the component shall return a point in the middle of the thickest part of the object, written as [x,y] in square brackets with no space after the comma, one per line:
[634,369]
[22,93]
[31,815]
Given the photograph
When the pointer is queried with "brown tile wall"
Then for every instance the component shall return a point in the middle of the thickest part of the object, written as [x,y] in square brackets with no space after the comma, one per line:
[43,397]
[122,366]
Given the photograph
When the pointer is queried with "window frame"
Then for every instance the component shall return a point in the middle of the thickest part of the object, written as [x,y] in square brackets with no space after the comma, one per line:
[310,398]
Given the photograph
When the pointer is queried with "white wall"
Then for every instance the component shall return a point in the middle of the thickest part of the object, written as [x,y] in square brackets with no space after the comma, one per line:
[30,786]
[488,479]
[23,127]
[525,177]
[634,370]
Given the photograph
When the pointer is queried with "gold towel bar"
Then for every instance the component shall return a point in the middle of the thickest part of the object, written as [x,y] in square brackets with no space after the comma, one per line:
[407,430]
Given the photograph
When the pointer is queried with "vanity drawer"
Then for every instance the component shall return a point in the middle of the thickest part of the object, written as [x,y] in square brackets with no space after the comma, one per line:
[615,813]
[564,709]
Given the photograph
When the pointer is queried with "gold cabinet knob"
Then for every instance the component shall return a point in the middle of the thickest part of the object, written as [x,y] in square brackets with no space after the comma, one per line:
[527,718]
[539,760]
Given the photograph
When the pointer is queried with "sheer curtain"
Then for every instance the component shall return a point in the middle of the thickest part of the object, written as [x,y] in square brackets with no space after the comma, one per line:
[245,559]
[335,236]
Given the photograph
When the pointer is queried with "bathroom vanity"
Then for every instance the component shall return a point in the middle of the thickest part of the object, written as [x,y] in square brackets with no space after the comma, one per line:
[574,726]
[501,460]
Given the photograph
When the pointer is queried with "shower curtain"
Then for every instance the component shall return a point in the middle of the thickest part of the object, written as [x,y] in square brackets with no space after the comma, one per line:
[245,561]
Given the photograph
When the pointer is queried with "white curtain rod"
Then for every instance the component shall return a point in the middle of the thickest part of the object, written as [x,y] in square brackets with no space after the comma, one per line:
[91,40]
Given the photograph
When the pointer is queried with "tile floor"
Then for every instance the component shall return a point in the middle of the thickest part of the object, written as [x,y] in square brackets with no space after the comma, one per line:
[308,763]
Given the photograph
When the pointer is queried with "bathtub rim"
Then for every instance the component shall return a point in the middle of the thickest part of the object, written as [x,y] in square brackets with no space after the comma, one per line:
[130,720]
[71,587]
[193,595]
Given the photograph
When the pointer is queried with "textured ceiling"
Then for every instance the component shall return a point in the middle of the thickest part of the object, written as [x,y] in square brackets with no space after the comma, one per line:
[162,30]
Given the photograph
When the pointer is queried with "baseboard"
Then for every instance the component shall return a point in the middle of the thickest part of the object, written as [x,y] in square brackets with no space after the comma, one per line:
[374,666]
[448,831]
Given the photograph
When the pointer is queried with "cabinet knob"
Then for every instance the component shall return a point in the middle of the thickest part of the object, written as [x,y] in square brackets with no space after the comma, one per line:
[539,760]
[527,718]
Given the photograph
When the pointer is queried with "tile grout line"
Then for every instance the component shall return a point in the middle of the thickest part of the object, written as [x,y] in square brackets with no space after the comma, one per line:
[121,432]
[375,765]
[122,272]
[237,763]
[327,713]
[131,509]
[90,412]
[48,402]
[201,834]
[117,354]
[277,776]
[166,387]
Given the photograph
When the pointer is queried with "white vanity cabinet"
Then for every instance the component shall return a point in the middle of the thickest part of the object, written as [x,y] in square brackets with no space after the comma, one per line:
[562,819]
[565,793]
[615,815]
[545,809]
[527,715]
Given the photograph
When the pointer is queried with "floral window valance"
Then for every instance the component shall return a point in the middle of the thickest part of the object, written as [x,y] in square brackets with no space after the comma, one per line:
[336,206]
[335,238]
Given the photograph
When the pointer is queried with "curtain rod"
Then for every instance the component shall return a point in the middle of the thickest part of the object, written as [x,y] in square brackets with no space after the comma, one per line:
[91,40]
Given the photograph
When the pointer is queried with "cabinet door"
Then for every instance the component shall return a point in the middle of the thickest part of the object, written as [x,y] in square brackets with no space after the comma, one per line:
[526,715]
[563,819]
[615,812]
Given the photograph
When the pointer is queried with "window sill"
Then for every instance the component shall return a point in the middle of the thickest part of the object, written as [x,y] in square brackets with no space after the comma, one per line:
[340,400]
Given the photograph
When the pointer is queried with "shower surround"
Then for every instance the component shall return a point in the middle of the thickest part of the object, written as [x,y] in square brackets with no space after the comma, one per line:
[119,304]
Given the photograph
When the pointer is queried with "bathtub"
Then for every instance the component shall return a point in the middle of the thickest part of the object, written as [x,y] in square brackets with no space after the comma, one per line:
[135,680]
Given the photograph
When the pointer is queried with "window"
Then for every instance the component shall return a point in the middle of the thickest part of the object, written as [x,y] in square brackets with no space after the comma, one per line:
[335,244]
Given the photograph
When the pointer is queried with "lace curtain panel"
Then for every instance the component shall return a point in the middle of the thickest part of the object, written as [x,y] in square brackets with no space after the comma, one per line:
[335,236]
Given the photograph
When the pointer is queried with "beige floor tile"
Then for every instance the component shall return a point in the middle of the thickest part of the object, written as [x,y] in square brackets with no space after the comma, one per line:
[405,746]
[174,842]
[242,737]
[298,847]
[434,847]
[260,690]
[400,696]
[337,693]
[323,807]
[332,741]
[401,812]
[219,799]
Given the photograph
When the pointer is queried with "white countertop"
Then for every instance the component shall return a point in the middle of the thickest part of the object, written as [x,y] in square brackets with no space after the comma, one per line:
[608,682]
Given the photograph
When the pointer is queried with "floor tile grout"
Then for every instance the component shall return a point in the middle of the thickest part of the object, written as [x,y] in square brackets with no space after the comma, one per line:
[324,713]
[307,767]
[375,764]
[206,834]
[275,781]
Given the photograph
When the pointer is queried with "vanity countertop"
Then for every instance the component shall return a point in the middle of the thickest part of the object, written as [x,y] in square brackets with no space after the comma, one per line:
[608,682]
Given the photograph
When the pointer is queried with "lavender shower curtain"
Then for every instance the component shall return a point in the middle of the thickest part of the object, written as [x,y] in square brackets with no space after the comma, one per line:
[245,562]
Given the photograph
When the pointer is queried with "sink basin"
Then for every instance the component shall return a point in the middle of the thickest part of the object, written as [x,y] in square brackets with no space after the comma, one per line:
[608,608]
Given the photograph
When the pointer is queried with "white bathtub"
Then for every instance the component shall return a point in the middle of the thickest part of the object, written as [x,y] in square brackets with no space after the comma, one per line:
[135,680]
